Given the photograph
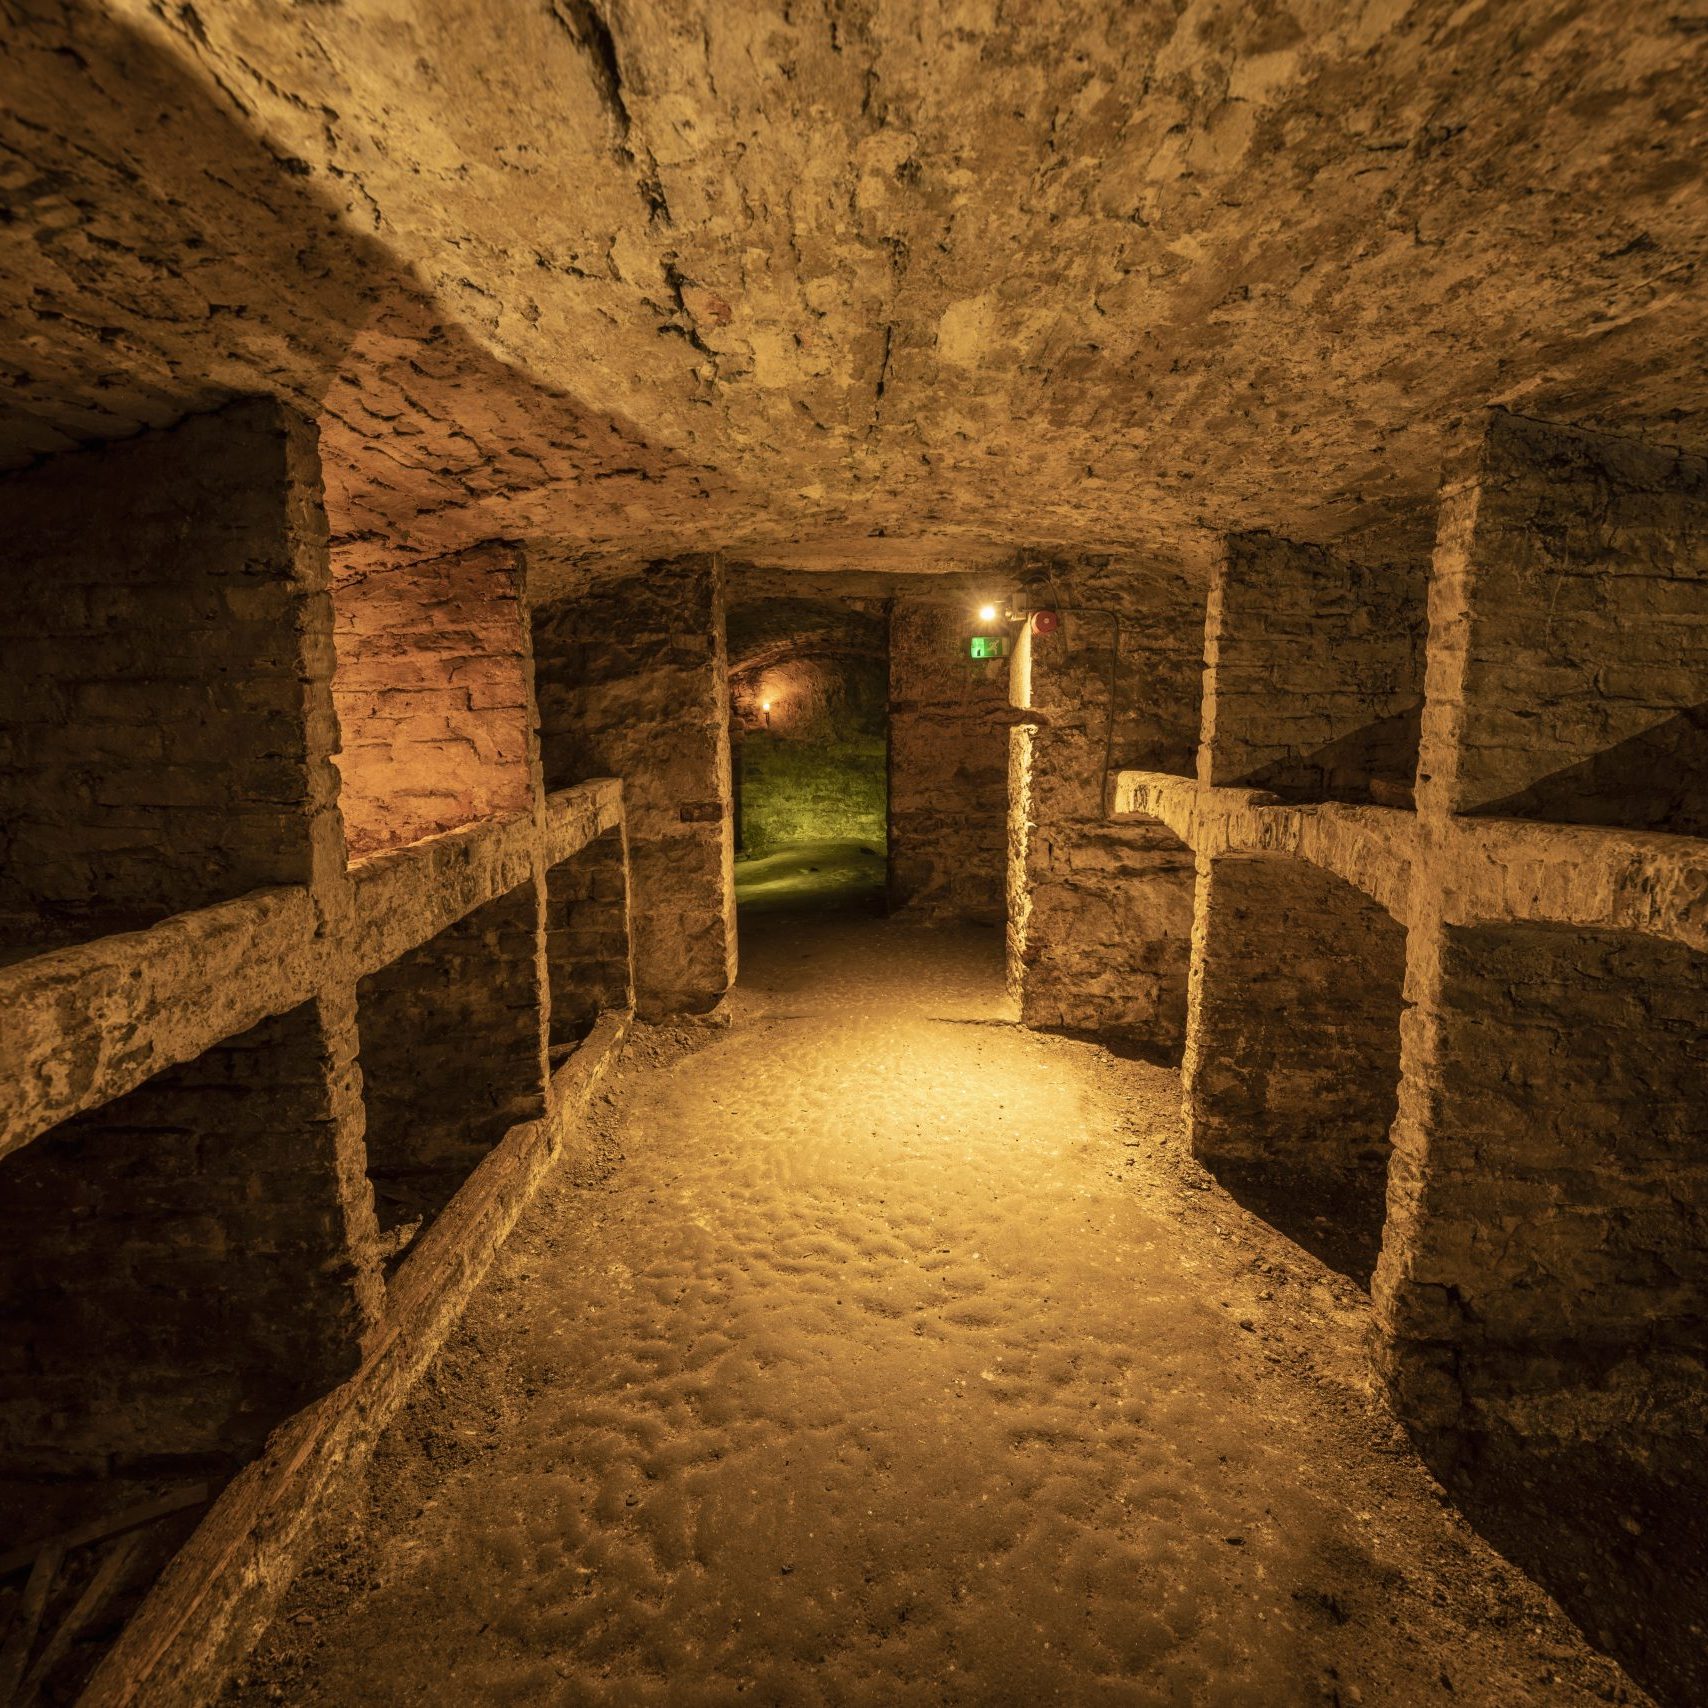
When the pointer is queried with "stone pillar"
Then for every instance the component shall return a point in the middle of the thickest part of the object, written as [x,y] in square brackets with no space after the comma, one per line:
[431,692]
[631,679]
[1545,1276]
[1546,1271]
[1313,682]
[188,1263]
[1568,677]
[1100,911]
[948,742]
[1292,1061]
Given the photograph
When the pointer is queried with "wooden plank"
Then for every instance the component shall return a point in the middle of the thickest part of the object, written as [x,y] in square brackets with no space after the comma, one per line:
[96,1594]
[114,1524]
[21,1639]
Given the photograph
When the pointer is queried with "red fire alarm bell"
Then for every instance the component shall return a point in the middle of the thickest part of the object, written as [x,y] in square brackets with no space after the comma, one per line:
[1045,622]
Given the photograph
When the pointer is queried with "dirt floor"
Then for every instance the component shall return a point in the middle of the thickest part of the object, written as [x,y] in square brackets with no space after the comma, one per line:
[876,1351]
[817,876]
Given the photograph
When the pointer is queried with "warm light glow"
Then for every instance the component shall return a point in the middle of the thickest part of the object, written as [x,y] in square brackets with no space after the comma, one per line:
[765,705]
[987,613]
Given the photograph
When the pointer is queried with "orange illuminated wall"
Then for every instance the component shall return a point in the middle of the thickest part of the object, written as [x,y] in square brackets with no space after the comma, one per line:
[432,693]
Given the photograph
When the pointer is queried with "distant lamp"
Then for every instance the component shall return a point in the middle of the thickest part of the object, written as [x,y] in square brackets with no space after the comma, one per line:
[987,613]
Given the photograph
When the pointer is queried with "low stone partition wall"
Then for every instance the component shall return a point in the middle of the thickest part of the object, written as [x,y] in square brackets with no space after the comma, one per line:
[203,1111]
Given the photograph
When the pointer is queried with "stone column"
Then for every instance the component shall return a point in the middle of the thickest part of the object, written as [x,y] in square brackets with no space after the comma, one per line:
[1100,911]
[1545,1275]
[632,682]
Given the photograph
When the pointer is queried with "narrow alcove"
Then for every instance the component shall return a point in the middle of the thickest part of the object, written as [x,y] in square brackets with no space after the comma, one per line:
[450,1058]
[588,959]
[1293,1050]
[180,1276]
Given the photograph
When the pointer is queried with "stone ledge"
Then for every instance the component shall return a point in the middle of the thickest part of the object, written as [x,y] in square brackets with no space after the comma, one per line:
[1460,870]
[225,1582]
[87,1024]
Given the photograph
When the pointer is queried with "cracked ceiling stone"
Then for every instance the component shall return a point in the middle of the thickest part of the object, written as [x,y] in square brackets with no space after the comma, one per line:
[864,285]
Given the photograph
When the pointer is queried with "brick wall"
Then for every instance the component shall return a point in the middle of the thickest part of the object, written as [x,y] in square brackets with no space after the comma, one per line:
[156,669]
[632,682]
[1314,672]
[948,767]
[1568,674]
[176,1264]
[452,1054]
[1100,913]
[432,696]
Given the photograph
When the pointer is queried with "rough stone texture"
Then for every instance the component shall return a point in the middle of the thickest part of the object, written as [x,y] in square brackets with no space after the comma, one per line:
[155,749]
[829,789]
[1100,913]
[431,690]
[1292,1064]
[1313,672]
[1569,631]
[588,957]
[177,1268]
[1547,1268]
[1069,273]
[191,1247]
[948,734]
[632,682]
[452,1054]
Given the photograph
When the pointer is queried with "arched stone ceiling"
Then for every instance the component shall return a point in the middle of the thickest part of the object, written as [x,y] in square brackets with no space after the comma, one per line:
[888,285]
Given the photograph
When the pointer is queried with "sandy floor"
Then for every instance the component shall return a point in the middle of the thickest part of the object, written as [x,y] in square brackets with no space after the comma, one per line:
[879,1352]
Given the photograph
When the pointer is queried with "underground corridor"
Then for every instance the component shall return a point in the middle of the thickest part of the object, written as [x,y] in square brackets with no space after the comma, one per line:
[853,856]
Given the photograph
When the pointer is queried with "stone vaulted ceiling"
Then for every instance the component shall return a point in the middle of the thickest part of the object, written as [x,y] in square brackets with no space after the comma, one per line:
[856,284]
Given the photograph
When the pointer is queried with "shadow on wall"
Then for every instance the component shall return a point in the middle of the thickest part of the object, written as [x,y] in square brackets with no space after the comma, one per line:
[184,230]
[1374,764]
[1656,780]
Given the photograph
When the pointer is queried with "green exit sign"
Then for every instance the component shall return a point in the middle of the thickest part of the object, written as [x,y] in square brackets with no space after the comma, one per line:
[988,646]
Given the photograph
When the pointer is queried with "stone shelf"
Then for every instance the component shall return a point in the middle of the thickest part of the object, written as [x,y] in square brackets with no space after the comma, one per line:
[1463,871]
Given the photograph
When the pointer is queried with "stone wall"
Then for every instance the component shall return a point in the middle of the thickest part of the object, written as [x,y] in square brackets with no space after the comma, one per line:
[154,754]
[632,682]
[1568,678]
[1314,684]
[1100,913]
[176,1265]
[829,789]
[431,690]
[452,1055]
[1292,1063]
[948,773]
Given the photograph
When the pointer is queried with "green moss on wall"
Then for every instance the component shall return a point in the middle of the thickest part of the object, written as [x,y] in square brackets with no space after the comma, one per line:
[829,790]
